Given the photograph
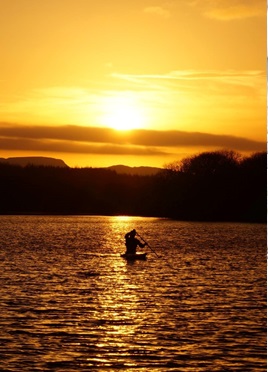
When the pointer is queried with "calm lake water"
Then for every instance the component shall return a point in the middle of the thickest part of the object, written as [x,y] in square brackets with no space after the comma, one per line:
[69,302]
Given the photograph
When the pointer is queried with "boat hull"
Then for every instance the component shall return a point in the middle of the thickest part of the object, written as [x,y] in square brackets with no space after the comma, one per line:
[134,257]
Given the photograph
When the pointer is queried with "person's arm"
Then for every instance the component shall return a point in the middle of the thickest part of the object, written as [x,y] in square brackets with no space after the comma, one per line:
[140,244]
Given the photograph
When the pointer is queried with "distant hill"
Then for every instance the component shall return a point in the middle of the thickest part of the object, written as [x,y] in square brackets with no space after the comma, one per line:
[34,160]
[52,162]
[141,171]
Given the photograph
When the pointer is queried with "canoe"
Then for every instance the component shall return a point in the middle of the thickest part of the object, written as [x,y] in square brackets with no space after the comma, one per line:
[133,257]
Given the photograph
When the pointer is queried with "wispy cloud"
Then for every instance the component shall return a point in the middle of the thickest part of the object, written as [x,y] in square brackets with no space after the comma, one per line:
[228,10]
[229,83]
[157,11]
[231,76]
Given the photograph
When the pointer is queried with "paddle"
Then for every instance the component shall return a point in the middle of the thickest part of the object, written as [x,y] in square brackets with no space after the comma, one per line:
[148,245]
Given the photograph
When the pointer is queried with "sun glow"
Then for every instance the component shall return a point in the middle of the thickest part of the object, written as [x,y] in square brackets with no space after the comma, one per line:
[122,113]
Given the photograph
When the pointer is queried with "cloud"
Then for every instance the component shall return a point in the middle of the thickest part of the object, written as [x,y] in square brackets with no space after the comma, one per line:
[55,146]
[158,11]
[89,140]
[231,76]
[230,97]
[227,10]
[229,87]
[191,139]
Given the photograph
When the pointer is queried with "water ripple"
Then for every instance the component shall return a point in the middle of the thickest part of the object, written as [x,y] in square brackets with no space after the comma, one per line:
[78,306]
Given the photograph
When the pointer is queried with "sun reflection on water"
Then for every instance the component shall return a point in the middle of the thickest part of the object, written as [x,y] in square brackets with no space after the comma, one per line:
[78,305]
[120,315]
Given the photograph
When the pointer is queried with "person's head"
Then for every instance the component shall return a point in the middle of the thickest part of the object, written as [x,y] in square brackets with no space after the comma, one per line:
[133,232]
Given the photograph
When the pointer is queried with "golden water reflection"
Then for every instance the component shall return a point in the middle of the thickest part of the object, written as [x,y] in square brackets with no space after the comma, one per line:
[73,304]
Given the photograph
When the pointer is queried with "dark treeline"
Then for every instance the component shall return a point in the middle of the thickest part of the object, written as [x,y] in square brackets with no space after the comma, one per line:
[212,186]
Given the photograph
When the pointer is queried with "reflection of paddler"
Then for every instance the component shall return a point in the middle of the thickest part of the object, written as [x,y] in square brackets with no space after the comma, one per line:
[132,242]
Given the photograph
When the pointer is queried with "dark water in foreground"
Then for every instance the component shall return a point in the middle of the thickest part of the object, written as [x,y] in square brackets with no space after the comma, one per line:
[69,302]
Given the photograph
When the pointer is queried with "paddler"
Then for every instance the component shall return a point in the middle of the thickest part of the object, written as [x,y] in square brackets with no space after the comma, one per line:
[132,242]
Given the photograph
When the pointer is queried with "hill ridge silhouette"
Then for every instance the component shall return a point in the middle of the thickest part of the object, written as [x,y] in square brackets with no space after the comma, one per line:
[141,170]
[54,162]
[34,160]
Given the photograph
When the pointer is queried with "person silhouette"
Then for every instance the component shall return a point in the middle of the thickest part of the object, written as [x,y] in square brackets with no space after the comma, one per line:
[132,242]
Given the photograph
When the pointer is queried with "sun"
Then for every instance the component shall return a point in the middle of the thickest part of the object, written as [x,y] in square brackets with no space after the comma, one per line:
[122,113]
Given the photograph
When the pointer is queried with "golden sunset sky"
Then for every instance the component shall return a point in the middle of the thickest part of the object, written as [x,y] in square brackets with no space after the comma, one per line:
[133,82]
